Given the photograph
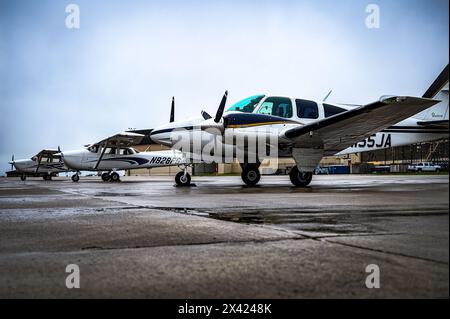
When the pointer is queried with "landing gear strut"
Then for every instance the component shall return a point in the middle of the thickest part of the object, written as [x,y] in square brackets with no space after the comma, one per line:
[23,177]
[301,179]
[250,174]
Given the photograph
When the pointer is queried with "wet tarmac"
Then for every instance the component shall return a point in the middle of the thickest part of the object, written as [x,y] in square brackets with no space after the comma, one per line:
[145,238]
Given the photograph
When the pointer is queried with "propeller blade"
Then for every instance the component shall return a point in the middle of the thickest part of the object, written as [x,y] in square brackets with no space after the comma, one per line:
[12,162]
[206,115]
[172,111]
[221,108]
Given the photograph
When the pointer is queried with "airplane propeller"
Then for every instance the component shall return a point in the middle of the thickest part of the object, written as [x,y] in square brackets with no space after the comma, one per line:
[172,110]
[221,108]
[12,162]
[215,123]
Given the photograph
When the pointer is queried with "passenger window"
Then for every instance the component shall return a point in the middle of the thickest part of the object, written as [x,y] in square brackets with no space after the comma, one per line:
[276,106]
[331,110]
[122,151]
[307,109]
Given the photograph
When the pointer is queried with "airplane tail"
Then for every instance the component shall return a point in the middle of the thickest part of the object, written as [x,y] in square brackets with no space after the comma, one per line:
[439,90]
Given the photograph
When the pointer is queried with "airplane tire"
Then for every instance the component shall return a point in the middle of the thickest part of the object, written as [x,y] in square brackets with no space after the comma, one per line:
[23,177]
[251,176]
[182,180]
[115,177]
[106,177]
[75,178]
[47,177]
[300,179]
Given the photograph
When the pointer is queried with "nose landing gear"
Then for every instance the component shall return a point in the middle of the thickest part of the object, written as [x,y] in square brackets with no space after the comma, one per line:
[183,178]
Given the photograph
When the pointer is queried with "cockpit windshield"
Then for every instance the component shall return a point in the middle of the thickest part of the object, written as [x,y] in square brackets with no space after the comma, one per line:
[246,105]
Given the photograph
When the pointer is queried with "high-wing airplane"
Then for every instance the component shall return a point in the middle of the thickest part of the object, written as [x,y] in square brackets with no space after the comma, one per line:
[306,130]
[46,163]
[116,153]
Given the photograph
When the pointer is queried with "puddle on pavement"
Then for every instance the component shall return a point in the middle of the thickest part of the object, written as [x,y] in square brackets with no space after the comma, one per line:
[291,219]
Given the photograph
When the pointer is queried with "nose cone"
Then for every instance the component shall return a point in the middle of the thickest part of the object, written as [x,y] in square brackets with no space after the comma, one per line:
[161,135]
[72,159]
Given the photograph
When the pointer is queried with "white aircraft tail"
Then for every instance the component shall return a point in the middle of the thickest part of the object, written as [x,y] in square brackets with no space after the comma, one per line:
[439,90]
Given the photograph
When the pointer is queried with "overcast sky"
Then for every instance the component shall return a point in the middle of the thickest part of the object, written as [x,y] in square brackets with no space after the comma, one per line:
[70,87]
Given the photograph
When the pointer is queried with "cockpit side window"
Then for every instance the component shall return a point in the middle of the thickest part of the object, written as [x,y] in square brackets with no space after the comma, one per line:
[276,106]
[307,109]
[93,149]
[331,110]
[246,105]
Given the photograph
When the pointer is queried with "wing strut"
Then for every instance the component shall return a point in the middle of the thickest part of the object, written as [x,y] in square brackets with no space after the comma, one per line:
[39,162]
[101,156]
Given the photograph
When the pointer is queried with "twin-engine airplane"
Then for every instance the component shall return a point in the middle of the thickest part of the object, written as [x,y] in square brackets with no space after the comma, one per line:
[116,153]
[46,163]
[308,130]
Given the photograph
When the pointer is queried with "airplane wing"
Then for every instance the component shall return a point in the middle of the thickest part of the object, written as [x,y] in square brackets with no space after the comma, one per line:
[345,129]
[47,152]
[50,153]
[124,139]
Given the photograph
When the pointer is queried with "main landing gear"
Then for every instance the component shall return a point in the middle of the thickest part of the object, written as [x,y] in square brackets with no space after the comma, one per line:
[75,177]
[47,177]
[301,179]
[23,177]
[108,176]
[251,175]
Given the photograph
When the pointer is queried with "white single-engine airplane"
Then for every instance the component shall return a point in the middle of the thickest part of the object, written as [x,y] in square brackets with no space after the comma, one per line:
[309,130]
[46,163]
[115,153]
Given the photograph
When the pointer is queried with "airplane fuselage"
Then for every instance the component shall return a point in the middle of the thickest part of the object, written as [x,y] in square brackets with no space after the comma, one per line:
[86,160]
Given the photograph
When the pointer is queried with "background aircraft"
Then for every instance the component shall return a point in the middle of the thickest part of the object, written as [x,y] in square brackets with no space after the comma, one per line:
[116,153]
[46,163]
[308,130]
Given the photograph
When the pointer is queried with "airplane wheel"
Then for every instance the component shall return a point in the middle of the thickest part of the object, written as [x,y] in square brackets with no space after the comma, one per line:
[23,177]
[298,178]
[106,177]
[47,177]
[251,176]
[115,177]
[183,180]
[75,178]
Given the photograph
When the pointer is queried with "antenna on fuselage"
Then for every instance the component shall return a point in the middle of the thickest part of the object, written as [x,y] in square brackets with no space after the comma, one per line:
[328,95]
[172,110]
